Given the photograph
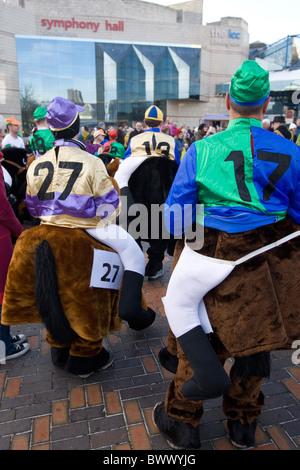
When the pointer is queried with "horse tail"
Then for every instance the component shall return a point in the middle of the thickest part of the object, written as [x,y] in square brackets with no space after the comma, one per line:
[47,296]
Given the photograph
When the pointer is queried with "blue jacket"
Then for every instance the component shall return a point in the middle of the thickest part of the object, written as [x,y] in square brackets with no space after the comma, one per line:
[245,177]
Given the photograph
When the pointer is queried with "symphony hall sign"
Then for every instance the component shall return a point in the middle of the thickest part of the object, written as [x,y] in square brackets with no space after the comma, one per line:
[48,24]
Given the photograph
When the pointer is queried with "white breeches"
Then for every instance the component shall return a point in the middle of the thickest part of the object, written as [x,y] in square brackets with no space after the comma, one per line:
[126,168]
[195,275]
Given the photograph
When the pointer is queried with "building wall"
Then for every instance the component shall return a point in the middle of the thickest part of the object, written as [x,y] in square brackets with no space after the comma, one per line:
[13,20]
[127,21]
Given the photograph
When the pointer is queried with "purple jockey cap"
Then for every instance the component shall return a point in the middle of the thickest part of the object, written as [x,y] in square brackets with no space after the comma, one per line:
[62,113]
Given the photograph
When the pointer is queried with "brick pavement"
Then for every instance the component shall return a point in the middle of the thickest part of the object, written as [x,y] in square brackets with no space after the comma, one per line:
[43,407]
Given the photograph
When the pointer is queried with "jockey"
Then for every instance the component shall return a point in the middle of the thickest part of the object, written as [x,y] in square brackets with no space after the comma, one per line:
[247,179]
[68,187]
[149,144]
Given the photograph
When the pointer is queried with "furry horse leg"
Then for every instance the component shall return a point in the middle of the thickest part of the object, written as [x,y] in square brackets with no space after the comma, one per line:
[133,261]
[244,400]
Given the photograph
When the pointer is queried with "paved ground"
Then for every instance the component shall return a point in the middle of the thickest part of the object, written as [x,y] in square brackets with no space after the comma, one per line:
[44,408]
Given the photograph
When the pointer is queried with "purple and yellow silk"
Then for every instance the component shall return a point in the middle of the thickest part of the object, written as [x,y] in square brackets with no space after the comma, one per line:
[73,190]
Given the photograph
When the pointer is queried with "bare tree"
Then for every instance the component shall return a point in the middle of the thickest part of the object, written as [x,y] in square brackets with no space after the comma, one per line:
[28,105]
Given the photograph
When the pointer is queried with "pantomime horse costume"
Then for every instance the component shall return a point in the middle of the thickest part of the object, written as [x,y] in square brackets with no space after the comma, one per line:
[77,272]
[238,296]
[145,177]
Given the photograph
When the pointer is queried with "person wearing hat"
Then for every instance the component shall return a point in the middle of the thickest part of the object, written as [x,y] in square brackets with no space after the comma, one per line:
[278,121]
[96,148]
[12,138]
[152,143]
[70,188]
[100,137]
[113,135]
[292,129]
[180,141]
[247,180]
[42,138]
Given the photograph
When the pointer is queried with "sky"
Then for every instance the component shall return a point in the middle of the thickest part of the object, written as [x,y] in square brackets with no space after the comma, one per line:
[268,20]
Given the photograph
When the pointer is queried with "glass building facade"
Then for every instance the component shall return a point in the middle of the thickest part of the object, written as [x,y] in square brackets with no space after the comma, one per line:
[116,82]
[282,60]
[281,55]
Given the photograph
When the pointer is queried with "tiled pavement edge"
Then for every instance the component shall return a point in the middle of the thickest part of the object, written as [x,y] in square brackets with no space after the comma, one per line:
[43,407]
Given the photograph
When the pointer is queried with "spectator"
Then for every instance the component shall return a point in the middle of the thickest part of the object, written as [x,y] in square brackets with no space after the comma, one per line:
[179,141]
[101,125]
[113,135]
[298,128]
[16,345]
[278,121]
[166,130]
[284,132]
[292,129]
[42,138]
[138,130]
[210,131]
[120,134]
[12,139]
[200,134]
[266,124]
[85,134]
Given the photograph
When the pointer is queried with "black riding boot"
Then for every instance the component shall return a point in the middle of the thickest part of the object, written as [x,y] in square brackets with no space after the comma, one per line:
[210,379]
[130,308]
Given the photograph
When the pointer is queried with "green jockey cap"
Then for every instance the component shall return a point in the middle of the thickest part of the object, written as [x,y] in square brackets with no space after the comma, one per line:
[40,113]
[117,150]
[250,85]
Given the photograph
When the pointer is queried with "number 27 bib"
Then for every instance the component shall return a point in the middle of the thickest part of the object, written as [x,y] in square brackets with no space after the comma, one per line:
[107,270]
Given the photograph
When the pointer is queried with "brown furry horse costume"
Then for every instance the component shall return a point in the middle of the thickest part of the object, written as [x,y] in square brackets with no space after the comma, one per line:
[254,311]
[49,281]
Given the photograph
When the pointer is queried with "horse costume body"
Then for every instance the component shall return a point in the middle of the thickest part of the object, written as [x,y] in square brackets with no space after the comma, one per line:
[77,202]
[49,282]
[247,180]
[145,175]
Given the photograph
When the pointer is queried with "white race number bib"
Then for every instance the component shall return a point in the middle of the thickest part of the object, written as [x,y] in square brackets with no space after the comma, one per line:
[107,270]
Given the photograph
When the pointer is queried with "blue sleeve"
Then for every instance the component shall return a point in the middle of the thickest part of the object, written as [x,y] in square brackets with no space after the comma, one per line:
[293,211]
[180,206]
[177,155]
[128,150]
